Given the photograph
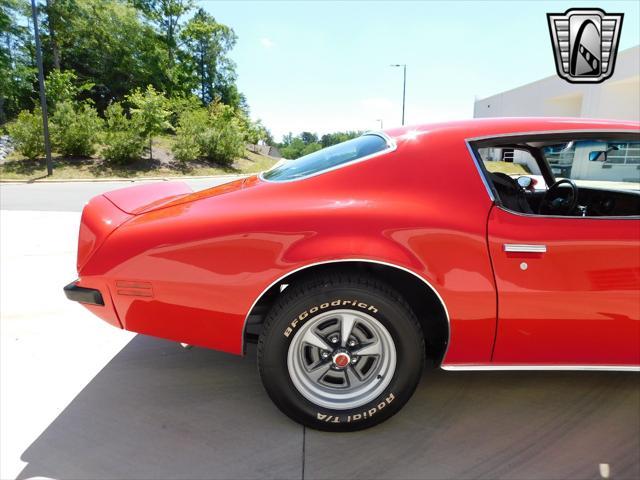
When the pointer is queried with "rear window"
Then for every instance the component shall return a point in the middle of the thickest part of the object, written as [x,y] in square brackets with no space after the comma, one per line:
[328,158]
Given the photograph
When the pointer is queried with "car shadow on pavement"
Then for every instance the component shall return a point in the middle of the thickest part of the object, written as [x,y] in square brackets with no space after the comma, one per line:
[159,411]
[491,425]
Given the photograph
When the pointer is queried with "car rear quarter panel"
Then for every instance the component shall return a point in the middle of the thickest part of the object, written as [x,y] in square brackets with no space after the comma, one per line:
[422,207]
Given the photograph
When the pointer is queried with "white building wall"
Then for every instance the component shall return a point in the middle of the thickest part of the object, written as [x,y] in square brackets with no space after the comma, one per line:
[616,98]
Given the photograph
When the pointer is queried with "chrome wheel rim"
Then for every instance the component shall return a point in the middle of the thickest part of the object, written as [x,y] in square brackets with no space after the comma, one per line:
[341,359]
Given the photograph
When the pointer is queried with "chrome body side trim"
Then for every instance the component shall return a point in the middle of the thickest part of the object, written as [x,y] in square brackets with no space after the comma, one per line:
[523,248]
[343,260]
[473,368]
[391,147]
[569,217]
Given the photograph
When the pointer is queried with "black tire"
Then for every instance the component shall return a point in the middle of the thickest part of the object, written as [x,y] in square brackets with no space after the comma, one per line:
[300,304]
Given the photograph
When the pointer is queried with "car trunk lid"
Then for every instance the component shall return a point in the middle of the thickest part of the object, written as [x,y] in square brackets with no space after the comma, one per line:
[147,197]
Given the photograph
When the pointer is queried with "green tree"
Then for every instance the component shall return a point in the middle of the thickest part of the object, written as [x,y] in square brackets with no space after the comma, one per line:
[17,72]
[50,25]
[63,86]
[165,16]
[308,137]
[208,43]
[178,104]
[338,137]
[293,149]
[148,110]
[106,43]
[256,132]
[311,147]
[104,50]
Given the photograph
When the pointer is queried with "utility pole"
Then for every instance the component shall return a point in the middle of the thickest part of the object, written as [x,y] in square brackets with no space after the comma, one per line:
[404,85]
[43,98]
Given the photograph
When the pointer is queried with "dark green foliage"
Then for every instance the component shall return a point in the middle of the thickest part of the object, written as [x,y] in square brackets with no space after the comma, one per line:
[338,137]
[148,109]
[17,68]
[75,129]
[26,132]
[214,134]
[119,72]
[107,49]
[124,139]
[307,142]
[209,42]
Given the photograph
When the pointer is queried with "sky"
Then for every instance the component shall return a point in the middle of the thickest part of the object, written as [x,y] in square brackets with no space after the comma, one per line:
[325,66]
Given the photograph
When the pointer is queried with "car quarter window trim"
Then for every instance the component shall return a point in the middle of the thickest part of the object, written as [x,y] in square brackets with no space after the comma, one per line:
[391,146]
[343,260]
[480,169]
[474,143]
[551,133]
[617,368]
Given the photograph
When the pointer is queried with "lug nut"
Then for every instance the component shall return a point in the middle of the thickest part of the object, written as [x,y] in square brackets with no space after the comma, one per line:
[352,343]
[334,339]
[324,354]
[354,359]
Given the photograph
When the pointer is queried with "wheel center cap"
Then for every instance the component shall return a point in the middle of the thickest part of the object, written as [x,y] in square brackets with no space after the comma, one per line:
[341,359]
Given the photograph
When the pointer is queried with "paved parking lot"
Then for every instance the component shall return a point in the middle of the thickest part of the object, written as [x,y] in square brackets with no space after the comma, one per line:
[81,399]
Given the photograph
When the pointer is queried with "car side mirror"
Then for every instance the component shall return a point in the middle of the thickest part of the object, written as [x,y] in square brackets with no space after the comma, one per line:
[600,156]
[525,182]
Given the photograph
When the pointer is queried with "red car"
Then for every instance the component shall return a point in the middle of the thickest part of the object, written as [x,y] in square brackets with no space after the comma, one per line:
[353,264]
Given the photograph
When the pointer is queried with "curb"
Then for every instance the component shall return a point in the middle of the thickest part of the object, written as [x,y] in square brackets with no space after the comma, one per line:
[122,179]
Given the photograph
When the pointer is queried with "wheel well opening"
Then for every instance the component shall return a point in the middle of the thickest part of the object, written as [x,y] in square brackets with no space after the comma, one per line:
[424,302]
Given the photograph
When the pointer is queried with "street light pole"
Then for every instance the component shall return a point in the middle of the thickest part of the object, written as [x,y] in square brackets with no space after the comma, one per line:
[43,98]
[404,85]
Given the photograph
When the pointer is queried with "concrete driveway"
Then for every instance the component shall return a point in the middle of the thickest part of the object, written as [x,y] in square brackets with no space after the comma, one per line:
[80,399]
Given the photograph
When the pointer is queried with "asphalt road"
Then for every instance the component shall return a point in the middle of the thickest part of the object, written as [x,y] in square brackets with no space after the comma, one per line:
[81,399]
[71,196]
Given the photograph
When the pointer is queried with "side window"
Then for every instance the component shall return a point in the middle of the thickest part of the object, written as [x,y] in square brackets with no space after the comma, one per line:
[512,161]
[596,163]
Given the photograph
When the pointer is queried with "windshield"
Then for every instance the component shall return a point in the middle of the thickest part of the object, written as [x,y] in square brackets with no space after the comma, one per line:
[597,163]
[328,158]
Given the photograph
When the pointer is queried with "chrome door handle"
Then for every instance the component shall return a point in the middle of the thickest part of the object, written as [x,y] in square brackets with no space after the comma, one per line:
[524,248]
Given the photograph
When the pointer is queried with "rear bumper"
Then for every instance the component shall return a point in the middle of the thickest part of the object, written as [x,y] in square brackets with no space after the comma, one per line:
[89,296]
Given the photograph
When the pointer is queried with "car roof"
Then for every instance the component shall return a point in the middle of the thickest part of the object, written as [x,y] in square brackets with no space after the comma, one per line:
[487,127]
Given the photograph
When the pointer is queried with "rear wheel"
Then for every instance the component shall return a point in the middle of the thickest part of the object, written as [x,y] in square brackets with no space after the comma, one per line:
[341,353]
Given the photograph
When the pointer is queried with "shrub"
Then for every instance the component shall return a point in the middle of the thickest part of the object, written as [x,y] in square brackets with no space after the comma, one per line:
[190,128]
[150,113]
[124,138]
[180,104]
[223,141]
[75,129]
[27,134]
[214,133]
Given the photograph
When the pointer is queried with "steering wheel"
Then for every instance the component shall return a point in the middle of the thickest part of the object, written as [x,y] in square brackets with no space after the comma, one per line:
[554,200]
